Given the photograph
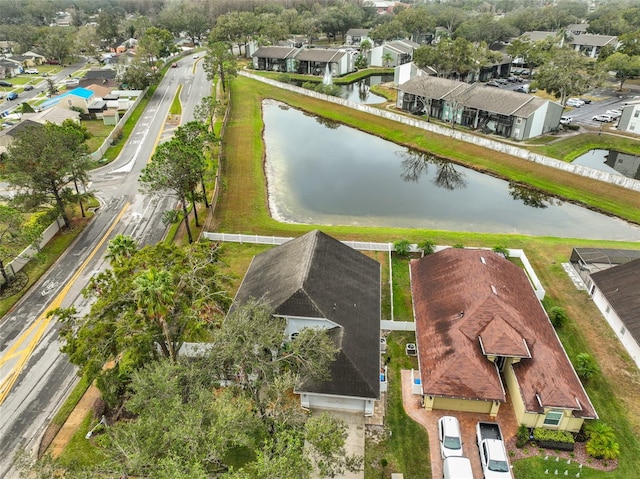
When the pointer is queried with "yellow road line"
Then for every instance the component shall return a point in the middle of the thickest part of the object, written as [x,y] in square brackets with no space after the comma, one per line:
[44,319]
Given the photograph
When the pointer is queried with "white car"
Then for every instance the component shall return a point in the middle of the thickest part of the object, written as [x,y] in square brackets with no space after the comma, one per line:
[603,117]
[196,56]
[575,102]
[32,71]
[565,120]
[450,437]
[614,113]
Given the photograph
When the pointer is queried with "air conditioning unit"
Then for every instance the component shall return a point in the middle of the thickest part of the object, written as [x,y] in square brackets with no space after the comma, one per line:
[410,349]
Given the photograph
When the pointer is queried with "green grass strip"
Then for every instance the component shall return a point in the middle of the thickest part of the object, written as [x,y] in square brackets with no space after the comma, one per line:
[176,105]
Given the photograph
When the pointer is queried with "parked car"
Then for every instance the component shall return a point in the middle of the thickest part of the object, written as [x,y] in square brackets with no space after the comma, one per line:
[523,88]
[5,83]
[32,71]
[28,87]
[565,120]
[586,101]
[455,467]
[450,437]
[603,117]
[12,96]
[493,83]
[502,81]
[174,65]
[575,102]
[614,113]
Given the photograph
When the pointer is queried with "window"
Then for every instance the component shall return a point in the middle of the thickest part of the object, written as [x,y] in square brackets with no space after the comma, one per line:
[553,418]
[622,331]
[636,114]
[606,311]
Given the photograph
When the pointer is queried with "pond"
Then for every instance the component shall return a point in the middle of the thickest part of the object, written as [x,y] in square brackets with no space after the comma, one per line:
[360,91]
[322,172]
[611,161]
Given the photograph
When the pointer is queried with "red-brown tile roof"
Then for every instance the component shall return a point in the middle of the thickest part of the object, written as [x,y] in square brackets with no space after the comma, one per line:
[469,300]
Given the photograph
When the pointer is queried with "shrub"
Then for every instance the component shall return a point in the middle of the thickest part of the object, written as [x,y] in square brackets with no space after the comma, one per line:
[522,437]
[284,78]
[558,316]
[501,250]
[427,247]
[602,443]
[551,439]
[401,247]
[586,366]
[458,245]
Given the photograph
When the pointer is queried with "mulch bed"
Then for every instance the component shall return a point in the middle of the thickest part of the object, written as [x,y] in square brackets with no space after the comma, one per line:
[578,455]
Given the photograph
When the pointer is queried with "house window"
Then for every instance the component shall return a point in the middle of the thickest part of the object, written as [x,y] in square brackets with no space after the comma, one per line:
[553,418]
[606,311]
[636,114]
[622,331]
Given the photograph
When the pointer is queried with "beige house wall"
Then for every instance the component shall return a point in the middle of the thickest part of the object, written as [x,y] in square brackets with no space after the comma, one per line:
[466,405]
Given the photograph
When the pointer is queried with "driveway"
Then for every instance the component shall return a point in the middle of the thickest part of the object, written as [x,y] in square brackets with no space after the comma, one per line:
[429,420]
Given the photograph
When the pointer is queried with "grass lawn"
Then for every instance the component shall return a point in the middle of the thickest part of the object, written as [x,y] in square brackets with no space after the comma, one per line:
[242,208]
[100,132]
[570,148]
[176,106]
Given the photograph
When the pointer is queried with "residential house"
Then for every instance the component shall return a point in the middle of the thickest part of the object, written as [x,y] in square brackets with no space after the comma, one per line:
[586,43]
[52,115]
[616,293]
[78,98]
[482,335]
[575,29]
[36,59]
[630,119]
[317,281]
[316,61]
[611,278]
[28,120]
[405,72]
[9,68]
[355,36]
[385,7]
[392,54]
[8,135]
[7,46]
[492,110]
[274,58]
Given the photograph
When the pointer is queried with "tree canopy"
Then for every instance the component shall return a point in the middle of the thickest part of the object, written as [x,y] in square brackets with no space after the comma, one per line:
[41,162]
[144,308]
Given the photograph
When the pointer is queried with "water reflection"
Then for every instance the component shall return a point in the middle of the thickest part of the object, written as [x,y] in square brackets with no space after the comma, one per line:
[416,163]
[342,176]
[611,161]
[531,196]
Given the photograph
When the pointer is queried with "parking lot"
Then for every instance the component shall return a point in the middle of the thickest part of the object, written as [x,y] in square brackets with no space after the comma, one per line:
[429,420]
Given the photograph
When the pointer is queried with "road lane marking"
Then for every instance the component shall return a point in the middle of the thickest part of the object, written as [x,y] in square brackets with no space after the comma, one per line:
[44,319]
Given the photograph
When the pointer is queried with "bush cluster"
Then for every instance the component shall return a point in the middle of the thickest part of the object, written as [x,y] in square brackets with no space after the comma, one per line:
[541,434]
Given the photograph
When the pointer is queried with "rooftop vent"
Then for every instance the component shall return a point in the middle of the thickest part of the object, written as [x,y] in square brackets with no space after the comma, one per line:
[493,288]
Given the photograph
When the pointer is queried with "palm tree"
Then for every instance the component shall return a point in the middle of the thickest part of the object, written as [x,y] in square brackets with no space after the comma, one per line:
[387,58]
[120,248]
[154,294]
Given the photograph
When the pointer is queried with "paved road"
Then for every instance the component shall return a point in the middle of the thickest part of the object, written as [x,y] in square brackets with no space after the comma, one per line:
[34,376]
[6,105]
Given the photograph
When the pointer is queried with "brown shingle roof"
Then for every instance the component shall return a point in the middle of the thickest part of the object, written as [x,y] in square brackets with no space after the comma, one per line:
[620,285]
[465,300]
